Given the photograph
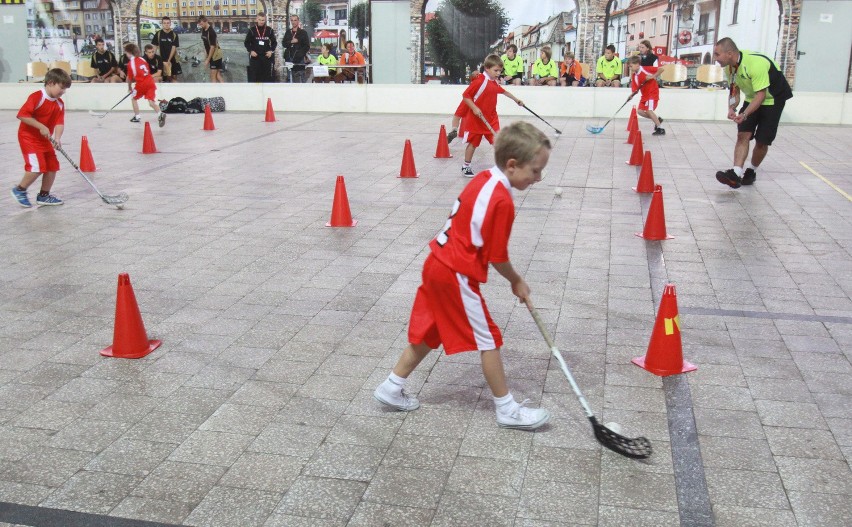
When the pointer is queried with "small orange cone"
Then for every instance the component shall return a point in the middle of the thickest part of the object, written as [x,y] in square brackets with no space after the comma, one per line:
[87,162]
[408,170]
[443,149]
[129,340]
[655,223]
[270,114]
[645,185]
[208,118]
[341,216]
[637,152]
[631,137]
[633,121]
[148,146]
[665,352]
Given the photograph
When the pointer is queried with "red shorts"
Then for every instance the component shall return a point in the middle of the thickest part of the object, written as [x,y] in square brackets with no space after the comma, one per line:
[462,110]
[40,162]
[649,105]
[450,310]
[476,139]
[147,90]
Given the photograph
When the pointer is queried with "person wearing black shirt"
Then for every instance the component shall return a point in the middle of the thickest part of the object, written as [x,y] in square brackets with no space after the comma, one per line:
[260,43]
[104,61]
[167,41]
[645,55]
[211,45]
[155,62]
[296,45]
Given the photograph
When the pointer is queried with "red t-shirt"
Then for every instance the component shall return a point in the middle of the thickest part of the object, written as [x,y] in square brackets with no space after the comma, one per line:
[46,110]
[651,90]
[478,229]
[484,92]
[138,69]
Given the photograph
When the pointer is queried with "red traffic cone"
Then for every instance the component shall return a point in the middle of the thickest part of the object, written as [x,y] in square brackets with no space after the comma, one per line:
[148,146]
[632,122]
[631,137]
[637,152]
[408,169]
[443,149]
[87,162]
[645,184]
[208,118]
[270,114]
[665,352]
[340,213]
[655,223]
[129,340]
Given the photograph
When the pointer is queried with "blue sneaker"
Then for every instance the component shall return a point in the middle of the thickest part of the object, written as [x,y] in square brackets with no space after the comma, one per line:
[21,196]
[50,199]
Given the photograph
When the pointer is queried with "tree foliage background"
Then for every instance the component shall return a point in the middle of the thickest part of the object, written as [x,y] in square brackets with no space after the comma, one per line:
[462,32]
[312,12]
[359,20]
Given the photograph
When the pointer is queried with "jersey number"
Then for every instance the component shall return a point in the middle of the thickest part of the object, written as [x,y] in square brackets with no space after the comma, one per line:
[443,237]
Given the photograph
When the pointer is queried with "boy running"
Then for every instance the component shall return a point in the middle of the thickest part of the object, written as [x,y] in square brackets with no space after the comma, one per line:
[449,308]
[138,70]
[481,99]
[42,116]
[644,79]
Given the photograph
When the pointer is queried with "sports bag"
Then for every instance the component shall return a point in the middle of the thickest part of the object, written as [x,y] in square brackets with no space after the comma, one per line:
[217,104]
[175,105]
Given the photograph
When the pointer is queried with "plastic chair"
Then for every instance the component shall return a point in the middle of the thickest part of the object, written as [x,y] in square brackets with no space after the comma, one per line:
[36,71]
[64,65]
[675,76]
[710,76]
[85,71]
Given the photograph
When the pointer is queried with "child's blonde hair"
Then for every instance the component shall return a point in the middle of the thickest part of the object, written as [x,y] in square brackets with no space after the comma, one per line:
[58,76]
[635,59]
[492,60]
[547,51]
[519,141]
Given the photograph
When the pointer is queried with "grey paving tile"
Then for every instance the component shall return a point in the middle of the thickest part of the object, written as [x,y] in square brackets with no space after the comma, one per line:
[232,506]
[813,509]
[131,457]
[24,493]
[789,414]
[211,448]
[136,508]
[732,516]
[179,482]
[409,487]
[379,515]
[486,476]
[463,508]
[826,476]
[559,502]
[746,488]
[260,471]
[290,439]
[330,499]
[342,461]
[45,466]
[622,516]
[94,492]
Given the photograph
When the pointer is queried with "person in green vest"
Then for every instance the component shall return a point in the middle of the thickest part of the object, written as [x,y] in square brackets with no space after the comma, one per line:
[327,59]
[513,66]
[609,69]
[544,72]
[759,80]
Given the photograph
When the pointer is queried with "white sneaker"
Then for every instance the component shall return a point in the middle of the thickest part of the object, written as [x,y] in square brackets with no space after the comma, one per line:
[395,398]
[523,418]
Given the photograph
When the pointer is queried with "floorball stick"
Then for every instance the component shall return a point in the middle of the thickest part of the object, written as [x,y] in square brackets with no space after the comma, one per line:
[557,130]
[101,115]
[598,129]
[118,200]
[638,448]
[488,125]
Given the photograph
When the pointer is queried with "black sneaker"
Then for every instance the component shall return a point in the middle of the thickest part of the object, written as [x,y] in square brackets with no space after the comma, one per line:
[659,131]
[729,177]
[467,172]
[135,119]
[452,135]
[748,177]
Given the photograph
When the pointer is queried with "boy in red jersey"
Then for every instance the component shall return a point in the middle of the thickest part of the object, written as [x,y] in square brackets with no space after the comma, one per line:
[481,99]
[449,308]
[138,70]
[461,112]
[42,116]
[644,79]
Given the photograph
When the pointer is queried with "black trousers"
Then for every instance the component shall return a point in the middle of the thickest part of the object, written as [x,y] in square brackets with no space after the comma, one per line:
[259,69]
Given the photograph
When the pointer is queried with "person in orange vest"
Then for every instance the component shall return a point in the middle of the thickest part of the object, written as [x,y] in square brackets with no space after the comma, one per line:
[570,73]
[351,57]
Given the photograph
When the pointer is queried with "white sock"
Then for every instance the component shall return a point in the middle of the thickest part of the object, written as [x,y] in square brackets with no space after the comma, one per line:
[738,171]
[465,164]
[505,404]
[396,379]
[749,165]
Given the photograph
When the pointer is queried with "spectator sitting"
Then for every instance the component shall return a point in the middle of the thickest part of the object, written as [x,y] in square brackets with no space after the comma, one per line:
[571,72]
[327,59]
[122,64]
[609,69]
[351,57]
[544,71]
[513,66]
[104,61]
[155,63]
[645,54]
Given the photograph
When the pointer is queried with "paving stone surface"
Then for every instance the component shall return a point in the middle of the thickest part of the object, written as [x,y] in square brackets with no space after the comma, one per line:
[257,409]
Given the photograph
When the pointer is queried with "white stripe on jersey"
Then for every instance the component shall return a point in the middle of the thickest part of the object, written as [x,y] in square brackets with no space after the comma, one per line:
[480,206]
[475,315]
[481,87]
[35,168]
[132,64]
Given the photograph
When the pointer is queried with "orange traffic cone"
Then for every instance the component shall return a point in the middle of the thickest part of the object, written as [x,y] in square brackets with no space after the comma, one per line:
[408,169]
[655,223]
[633,121]
[129,340]
[443,149]
[631,137]
[637,152]
[646,175]
[208,118]
[340,213]
[665,353]
[87,162]
[148,146]
[270,114]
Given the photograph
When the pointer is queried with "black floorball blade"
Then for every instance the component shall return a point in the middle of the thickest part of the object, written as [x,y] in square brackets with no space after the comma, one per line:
[636,448]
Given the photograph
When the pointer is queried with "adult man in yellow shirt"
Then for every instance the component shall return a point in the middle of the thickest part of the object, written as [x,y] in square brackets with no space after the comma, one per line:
[513,66]
[758,78]
[609,69]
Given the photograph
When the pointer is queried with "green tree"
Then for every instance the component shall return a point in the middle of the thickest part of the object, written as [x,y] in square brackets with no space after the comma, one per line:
[312,12]
[360,21]
[462,32]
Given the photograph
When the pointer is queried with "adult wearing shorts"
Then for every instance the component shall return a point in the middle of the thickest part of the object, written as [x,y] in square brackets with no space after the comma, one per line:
[757,78]
[208,37]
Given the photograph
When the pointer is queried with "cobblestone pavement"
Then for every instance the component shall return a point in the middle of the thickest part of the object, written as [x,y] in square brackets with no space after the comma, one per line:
[257,409]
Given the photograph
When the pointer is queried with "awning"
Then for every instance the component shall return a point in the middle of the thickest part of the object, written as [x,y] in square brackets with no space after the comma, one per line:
[325,33]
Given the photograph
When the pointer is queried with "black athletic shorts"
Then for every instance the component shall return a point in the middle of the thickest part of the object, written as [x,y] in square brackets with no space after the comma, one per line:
[519,75]
[216,64]
[762,124]
[569,78]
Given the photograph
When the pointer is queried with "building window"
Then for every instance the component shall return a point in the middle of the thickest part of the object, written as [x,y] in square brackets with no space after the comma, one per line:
[216,12]
[703,23]
[208,2]
[208,12]
[736,11]
[653,31]
[665,29]
[243,12]
[253,11]
[339,15]
[192,13]
[191,3]
[642,28]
